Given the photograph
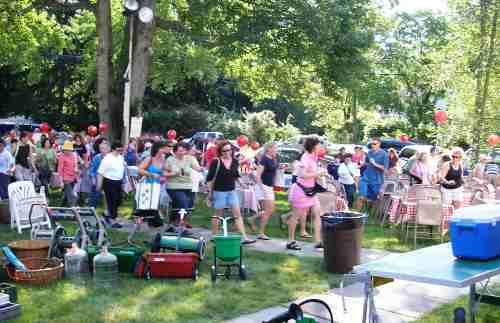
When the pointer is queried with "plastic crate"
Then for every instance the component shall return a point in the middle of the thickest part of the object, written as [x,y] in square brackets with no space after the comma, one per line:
[475,232]
[4,298]
[9,290]
[9,311]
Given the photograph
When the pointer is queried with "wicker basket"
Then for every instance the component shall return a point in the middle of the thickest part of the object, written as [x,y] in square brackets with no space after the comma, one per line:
[41,271]
[30,248]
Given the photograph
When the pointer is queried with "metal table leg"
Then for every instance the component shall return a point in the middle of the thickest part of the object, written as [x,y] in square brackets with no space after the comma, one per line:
[472,303]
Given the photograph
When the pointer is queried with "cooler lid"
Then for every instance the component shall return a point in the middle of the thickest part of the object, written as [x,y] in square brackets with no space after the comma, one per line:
[484,213]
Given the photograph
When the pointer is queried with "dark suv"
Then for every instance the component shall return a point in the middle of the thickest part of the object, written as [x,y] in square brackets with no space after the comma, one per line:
[385,144]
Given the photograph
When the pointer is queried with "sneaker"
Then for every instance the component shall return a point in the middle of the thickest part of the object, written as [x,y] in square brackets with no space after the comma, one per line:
[292,245]
[263,237]
[117,225]
[319,245]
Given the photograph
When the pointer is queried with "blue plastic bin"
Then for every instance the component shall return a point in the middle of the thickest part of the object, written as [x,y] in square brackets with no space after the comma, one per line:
[475,232]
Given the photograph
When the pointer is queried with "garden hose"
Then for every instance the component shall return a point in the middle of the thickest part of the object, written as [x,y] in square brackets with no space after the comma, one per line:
[295,312]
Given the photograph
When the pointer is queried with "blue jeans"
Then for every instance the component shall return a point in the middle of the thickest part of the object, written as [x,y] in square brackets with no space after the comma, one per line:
[350,189]
[95,197]
[4,183]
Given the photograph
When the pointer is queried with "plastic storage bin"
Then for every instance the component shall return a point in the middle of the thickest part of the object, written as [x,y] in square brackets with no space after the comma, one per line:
[475,232]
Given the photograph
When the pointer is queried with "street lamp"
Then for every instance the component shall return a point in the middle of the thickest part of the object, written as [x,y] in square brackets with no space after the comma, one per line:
[132,7]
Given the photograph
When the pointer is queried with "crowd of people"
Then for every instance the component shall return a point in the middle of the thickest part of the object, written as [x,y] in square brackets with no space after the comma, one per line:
[87,168]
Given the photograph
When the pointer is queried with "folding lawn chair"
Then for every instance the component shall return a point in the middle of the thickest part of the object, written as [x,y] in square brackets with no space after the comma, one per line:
[429,215]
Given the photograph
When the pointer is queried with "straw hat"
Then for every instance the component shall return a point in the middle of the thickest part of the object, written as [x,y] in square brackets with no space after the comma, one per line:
[68,145]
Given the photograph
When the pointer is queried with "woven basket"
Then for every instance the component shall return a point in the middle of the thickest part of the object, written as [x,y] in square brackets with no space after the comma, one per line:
[30,248]
[41,271]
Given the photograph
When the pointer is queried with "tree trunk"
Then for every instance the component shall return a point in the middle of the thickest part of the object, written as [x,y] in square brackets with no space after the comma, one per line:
[354,118]
[141,59]
[104,66]
[479,73]
[489,63]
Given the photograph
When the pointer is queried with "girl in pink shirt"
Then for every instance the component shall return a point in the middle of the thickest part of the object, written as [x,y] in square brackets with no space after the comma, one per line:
[301,203]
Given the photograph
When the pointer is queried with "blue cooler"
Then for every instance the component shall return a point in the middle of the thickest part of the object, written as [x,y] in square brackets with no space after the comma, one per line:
[475,232]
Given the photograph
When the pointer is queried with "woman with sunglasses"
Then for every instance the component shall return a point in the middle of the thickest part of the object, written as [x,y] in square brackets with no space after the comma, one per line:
[222,176]
[452,179]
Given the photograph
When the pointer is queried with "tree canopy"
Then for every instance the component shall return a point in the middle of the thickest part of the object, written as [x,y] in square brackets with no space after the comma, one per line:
[345,68]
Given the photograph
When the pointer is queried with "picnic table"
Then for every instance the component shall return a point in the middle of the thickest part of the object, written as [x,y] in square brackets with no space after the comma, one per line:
[436,265]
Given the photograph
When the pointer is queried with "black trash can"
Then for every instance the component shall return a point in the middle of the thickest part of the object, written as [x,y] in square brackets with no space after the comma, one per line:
[342,234]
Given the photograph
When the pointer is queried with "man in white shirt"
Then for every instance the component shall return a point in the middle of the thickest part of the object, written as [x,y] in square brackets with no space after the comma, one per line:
[348,177]
[110,178]
[7,165]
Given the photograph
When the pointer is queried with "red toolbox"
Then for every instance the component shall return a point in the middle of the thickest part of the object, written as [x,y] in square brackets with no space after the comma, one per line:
[171,265]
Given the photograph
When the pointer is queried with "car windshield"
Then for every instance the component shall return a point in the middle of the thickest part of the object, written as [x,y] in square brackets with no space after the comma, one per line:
[407,153]
[288,156]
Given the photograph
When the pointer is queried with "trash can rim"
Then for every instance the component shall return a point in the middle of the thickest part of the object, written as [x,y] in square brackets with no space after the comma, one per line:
[358,215]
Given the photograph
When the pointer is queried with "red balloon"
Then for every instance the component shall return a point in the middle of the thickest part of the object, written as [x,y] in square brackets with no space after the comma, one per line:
[255,145]
[44,127]
[242,140]
[321,153]
[103,128]
[440,117]
[92,131]
[493,140]
[171,134]
[404,138]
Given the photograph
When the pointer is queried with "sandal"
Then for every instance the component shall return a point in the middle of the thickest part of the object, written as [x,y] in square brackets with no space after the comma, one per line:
[306,236]
[248,241]
[319,245]
[292,245]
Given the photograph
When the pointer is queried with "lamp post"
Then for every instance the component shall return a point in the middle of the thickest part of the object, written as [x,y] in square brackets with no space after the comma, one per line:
[132,7]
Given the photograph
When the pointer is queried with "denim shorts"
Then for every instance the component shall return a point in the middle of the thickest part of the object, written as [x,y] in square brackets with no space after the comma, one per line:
[222,200]
[369,190]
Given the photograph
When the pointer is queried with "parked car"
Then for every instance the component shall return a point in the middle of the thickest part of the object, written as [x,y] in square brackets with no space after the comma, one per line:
[334,149]
[286,156]
[200,138]
[408,151]
[470,161]
[385,144]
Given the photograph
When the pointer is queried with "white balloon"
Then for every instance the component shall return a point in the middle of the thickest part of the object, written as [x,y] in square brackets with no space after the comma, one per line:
[146,15]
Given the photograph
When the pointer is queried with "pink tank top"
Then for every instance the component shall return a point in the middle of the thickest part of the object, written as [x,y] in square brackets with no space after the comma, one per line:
[309,162]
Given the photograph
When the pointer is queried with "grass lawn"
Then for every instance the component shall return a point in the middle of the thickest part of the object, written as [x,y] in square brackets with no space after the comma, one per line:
[273,279]
[443,314]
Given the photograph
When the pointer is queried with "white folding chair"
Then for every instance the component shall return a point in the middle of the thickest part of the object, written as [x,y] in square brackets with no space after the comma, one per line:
[22,195]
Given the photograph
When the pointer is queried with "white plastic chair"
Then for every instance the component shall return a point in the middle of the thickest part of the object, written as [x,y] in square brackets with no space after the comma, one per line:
[22,196]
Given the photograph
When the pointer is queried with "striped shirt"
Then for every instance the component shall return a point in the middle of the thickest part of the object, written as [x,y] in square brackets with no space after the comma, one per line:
[491,169]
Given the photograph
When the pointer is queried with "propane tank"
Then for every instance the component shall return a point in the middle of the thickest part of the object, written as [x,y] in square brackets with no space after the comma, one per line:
[76,264]
[105,268]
